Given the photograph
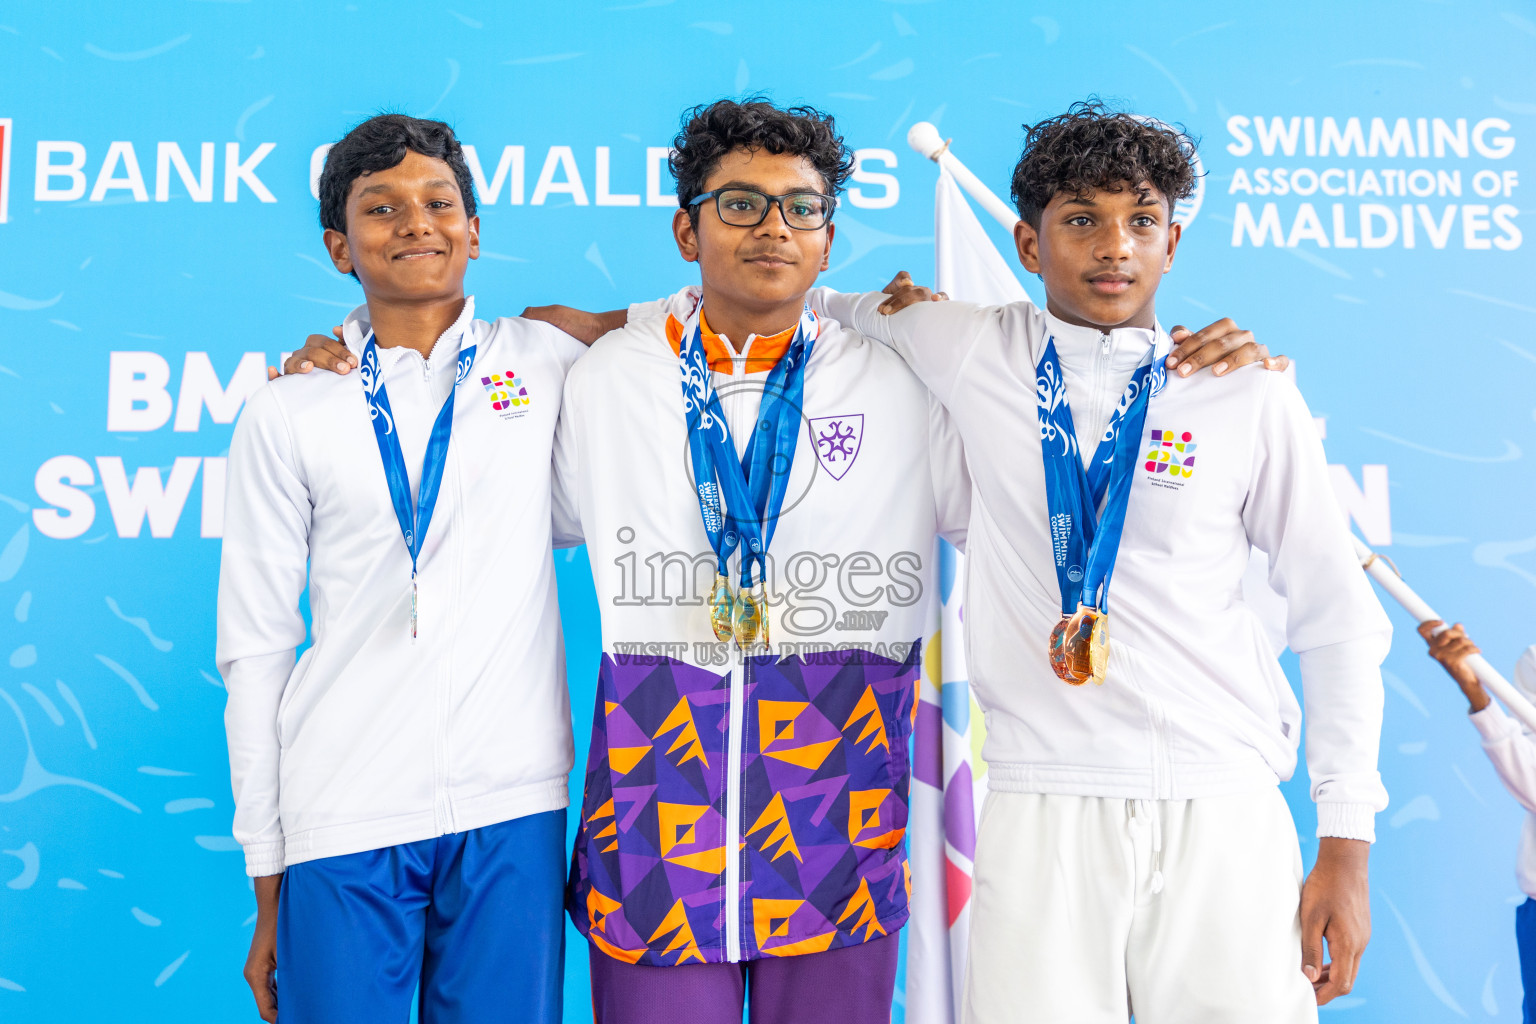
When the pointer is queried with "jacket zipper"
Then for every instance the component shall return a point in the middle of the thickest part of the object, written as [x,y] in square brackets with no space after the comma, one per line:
[451,620]
[442,809]
[733,810]
[1099,416]
[737,719]
[1162,769]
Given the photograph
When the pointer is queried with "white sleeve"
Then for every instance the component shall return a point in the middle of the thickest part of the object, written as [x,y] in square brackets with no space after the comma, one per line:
[1333,620]
[565,348]
[565,527]
[567,511]
[935,338]
[1512,751]
[648,310]
[262,574]
[680,304]
[951,476]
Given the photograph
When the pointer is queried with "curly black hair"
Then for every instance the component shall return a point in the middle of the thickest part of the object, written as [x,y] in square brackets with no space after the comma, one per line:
[378,144]
[1092,147]
[712,130]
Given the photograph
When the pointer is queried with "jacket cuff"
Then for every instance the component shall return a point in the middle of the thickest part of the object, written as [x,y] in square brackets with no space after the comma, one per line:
[1493,724]
[264,858]
[1346,821]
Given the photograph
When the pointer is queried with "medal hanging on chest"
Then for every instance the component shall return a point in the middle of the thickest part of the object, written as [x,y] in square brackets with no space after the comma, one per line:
[740,496]
[1086,541]
[414,517]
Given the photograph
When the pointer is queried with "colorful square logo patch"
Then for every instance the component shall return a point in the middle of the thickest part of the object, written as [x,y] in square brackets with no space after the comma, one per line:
[1171,460]
[509,396]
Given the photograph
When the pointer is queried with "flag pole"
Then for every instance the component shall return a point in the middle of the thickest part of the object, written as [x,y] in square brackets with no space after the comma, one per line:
[924,138]
[1387,577]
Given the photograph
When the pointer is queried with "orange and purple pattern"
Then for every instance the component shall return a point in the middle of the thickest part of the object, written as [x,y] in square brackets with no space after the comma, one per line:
[823,790]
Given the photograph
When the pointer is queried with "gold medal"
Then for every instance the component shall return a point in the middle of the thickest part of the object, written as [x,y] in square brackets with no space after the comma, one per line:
[720,608]
[751,616]
[1079,646]
[762,611]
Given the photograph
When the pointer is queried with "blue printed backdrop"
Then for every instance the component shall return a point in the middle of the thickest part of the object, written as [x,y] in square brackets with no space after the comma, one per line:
[123,895]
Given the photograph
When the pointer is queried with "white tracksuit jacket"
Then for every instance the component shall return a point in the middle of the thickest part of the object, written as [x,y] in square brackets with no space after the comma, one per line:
[1512,749]
[741,808]
[1195,703]
[371,739]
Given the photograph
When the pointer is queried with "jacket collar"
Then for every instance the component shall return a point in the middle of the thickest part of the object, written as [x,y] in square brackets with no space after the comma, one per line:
[445,352]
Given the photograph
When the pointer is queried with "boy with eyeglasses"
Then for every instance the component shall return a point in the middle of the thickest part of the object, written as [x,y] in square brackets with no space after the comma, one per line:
[759,489]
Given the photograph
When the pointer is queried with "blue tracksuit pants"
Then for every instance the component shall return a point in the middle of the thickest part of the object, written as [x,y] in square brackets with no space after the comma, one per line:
[474,919]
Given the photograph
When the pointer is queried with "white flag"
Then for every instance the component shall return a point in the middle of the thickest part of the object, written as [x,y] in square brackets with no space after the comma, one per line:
[947,779]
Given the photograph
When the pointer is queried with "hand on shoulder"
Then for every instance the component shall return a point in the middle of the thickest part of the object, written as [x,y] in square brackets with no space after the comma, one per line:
[1223,346]
[585,327]
[903,292]
[317,351]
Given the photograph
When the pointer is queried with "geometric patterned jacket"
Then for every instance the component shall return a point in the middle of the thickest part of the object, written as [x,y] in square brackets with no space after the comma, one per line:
[737,808]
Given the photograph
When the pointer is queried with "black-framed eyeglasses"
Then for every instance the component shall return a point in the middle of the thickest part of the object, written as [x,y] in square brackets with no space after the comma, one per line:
[747,208]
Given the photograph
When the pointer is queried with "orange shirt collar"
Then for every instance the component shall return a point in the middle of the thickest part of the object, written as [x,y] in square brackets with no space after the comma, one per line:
[762,357]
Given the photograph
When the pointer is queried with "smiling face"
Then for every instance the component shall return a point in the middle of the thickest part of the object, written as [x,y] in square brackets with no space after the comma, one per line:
[407,237]
[758,274]
[1102,255]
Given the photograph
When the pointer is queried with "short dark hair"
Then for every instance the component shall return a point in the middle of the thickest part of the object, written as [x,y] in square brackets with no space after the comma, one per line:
[378,144]
[1091,147]
[712,130]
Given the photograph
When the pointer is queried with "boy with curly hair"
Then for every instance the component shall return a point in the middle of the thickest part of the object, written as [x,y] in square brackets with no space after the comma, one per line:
[742,830]
[1135,854]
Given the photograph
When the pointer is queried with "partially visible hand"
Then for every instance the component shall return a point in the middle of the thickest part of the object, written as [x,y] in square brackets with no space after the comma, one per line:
[318,350]
[1336,908]
[1223,344]
[261,963]
[903,293]
[585,327]
[1451,648]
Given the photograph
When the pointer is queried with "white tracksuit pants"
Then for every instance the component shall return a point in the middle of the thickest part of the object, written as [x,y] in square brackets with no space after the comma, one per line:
[1089,909]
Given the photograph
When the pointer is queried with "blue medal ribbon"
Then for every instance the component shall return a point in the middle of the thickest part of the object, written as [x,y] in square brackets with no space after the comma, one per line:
[414,519]
[740,497]
[1085,540]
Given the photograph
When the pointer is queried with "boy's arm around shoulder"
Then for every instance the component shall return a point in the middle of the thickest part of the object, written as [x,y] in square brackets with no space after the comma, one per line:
[934,336]
[951,475]
[565,526]
[262,573]
[1334,621]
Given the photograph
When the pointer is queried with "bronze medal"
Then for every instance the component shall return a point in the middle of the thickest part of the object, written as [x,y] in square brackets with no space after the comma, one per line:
[1098,648]
[1079,647]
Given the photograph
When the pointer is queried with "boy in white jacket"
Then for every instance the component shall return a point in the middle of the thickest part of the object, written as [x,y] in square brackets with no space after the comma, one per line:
[1512,750]
[1135,853]
[400,791]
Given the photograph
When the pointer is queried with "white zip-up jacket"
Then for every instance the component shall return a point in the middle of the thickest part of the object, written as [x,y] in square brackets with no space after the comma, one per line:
[741,808]
[371,739]
[1195,703]
[1512,749]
